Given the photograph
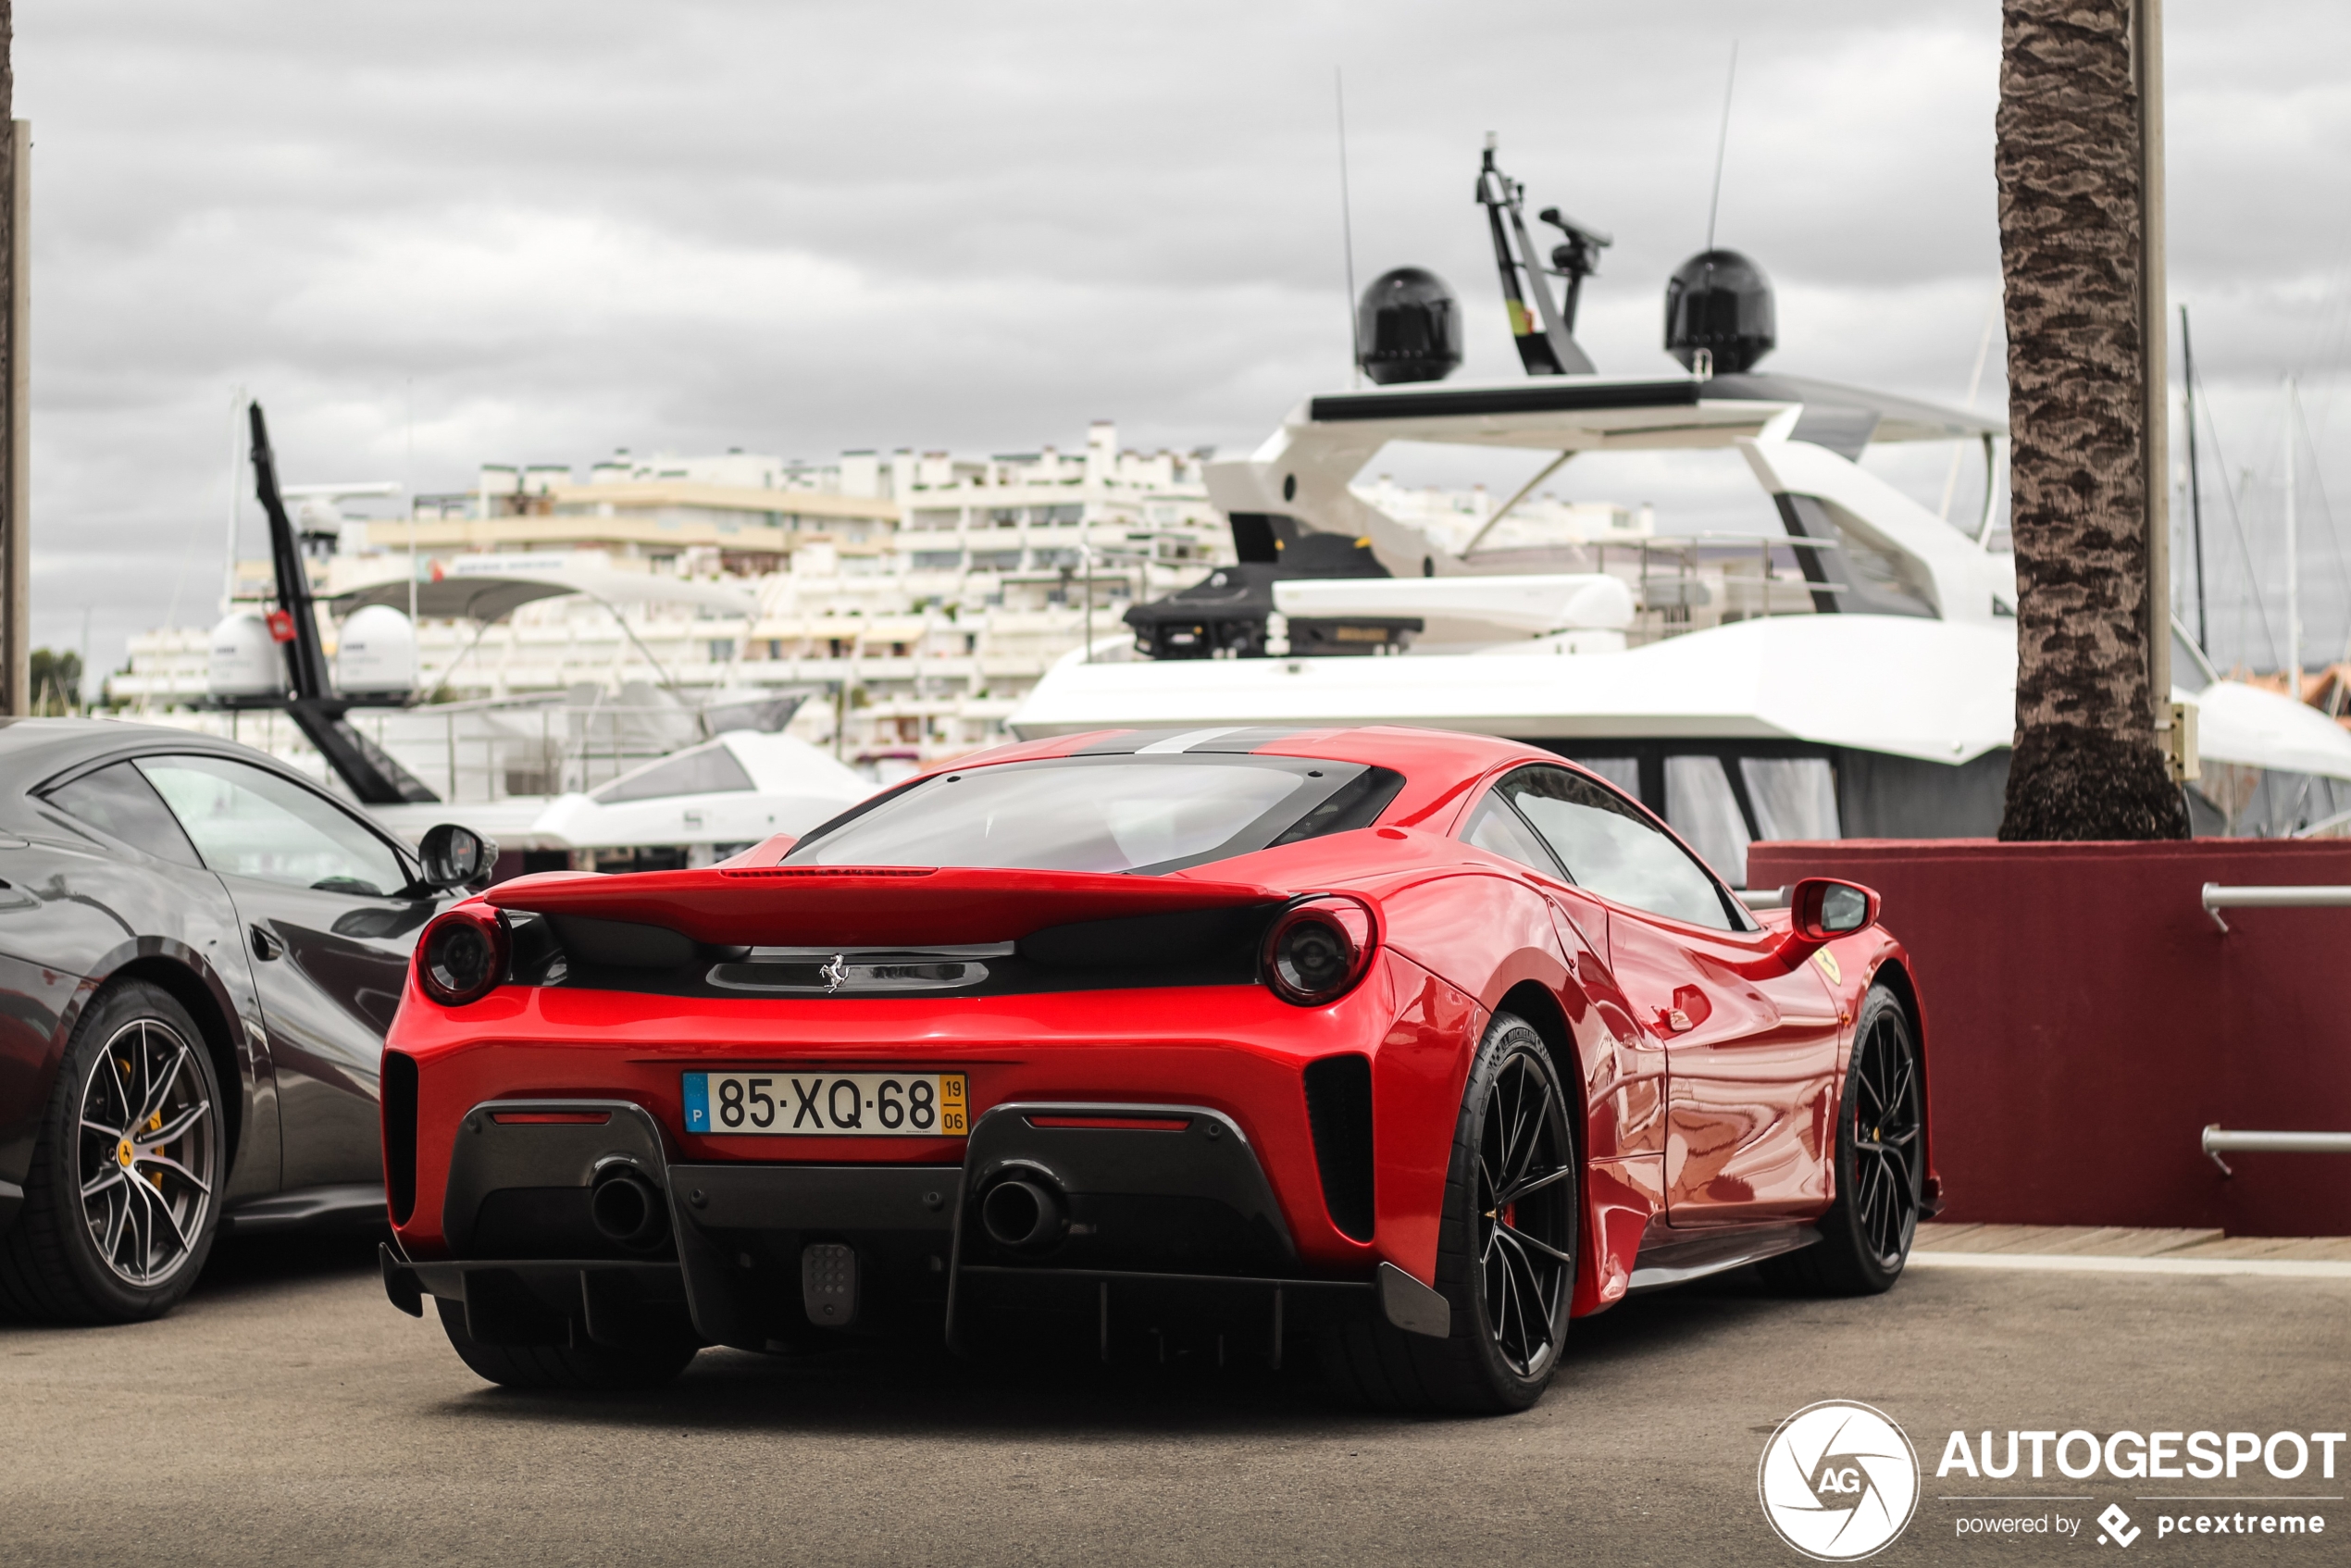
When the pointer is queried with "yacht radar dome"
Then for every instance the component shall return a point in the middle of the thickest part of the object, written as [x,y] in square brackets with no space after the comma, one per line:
[375,655]
[243,661]
[1408,327]
[1718,305]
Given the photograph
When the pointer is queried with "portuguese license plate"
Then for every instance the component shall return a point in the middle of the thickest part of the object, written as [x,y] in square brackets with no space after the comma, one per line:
[828,1105]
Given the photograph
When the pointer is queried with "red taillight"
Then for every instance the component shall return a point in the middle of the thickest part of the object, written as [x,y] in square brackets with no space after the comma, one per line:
[462,956]
[1318,947]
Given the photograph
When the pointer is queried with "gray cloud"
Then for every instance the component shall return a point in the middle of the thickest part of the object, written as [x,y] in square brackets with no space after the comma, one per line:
[531,232]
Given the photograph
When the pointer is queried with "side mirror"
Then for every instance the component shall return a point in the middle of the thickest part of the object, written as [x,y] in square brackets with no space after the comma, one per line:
[455,857]
[1825,909]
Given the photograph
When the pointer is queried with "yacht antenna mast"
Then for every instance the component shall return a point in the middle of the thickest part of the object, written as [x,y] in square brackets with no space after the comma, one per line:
[1346,234]
[1722,145]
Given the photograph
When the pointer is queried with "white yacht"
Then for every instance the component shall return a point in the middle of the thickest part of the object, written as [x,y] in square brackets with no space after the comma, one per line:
[1851,675]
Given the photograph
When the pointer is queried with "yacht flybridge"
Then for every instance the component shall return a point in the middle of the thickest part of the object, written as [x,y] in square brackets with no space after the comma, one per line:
[1853,675]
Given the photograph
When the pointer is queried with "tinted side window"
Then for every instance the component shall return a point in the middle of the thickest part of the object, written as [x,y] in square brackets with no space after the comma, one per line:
[116,800]
[1612,849]
[1497,828]
[250,822]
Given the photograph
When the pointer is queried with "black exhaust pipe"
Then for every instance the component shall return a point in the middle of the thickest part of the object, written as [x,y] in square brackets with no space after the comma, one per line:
[1025,1214]
[627,1207]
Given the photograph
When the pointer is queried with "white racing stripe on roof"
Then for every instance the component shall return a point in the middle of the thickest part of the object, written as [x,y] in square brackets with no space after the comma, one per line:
[2293,1268]
[1187,740]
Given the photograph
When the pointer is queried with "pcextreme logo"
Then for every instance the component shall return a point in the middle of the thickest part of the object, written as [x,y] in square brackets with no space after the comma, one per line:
[1838,1481]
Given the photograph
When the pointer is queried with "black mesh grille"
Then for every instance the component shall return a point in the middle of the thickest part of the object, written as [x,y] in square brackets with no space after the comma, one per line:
[400,1134]
[1338,1105]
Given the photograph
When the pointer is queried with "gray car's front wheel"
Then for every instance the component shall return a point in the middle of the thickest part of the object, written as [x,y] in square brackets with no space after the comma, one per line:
[122,1202]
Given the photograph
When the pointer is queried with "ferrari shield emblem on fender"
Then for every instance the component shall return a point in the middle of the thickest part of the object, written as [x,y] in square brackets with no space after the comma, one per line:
[1827,961]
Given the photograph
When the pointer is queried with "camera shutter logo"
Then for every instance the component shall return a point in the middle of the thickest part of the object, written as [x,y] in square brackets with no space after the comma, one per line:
[1838,1481]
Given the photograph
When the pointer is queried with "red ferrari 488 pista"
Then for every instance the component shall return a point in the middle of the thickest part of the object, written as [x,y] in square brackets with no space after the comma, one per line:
[1412,1045]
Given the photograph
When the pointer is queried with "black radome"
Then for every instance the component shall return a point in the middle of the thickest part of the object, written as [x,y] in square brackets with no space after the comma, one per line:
[1408,327]
[1719,304]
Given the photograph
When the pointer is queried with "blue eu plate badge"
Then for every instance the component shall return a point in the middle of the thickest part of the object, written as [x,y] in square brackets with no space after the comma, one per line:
[697,1101]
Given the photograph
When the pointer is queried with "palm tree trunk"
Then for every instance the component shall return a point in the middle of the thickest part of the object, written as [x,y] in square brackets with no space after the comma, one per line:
[2070,167]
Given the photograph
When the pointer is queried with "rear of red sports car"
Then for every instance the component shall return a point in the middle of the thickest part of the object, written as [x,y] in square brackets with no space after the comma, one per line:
[1133,1041]
[1094,1040]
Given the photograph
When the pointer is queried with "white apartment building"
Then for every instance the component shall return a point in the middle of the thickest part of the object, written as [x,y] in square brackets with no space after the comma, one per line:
[915,597]
[1032,514]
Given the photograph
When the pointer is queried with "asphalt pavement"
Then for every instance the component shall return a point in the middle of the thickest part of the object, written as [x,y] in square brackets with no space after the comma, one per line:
[287,1415]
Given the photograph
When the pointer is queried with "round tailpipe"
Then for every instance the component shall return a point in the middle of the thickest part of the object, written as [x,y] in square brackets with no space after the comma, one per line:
[627,1207]
[1025,1214]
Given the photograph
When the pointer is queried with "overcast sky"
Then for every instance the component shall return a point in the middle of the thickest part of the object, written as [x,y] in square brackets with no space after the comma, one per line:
[434,235]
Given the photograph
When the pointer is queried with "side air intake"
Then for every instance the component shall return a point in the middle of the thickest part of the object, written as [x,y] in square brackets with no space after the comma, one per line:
[1338,1107]
[399,1089]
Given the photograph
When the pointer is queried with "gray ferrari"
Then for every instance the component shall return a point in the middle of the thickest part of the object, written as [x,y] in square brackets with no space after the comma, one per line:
[200,951]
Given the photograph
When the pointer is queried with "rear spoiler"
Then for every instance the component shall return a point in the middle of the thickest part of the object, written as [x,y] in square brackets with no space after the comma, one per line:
[854,906]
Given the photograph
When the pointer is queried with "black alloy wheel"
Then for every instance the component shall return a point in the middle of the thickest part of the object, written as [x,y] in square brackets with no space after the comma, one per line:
[1881,1163]
[1506,1251]
[1526,1213]
[123,1198]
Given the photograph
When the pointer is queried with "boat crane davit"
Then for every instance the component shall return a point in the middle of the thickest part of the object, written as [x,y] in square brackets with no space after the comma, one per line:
[734,780]
[1852,675]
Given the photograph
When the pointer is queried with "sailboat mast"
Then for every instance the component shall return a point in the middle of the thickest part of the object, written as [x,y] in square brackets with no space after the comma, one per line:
[2196,490]
[2293,561]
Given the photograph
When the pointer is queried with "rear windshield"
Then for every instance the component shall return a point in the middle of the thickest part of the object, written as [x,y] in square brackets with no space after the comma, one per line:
[1105,813]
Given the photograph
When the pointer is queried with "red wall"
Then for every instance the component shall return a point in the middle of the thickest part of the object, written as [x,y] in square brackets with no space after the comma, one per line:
[2085,1020]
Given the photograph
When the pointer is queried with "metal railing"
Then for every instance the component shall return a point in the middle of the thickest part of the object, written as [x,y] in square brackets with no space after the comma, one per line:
[2217,1139]
[2217,898]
